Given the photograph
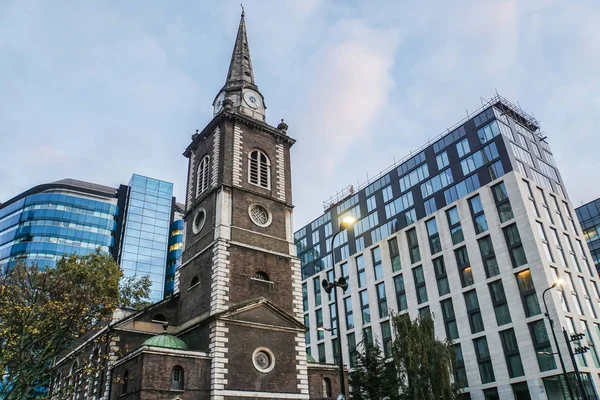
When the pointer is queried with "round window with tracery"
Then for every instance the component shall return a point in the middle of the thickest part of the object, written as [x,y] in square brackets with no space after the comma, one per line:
[260,215]
[199,220]
[263,359]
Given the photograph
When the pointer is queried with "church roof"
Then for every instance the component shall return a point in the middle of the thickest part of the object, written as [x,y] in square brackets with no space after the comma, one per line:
[240,68]
[167,341]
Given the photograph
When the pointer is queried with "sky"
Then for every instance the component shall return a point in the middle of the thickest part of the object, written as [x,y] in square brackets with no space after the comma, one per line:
[98,91]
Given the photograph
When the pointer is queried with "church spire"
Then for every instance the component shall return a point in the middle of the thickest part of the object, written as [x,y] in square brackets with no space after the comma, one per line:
[240,93]
[240,68]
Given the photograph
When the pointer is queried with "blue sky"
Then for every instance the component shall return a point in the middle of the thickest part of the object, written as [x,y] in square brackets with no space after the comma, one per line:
[100,90]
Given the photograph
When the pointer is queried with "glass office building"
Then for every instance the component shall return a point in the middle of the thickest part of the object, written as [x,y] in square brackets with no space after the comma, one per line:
[146,231]
[472,228]
[175,250]
[131,222]
[63,217]
[589,218]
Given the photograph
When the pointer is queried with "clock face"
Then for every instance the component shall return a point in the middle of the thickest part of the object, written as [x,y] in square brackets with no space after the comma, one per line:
[219,102]
[252,99]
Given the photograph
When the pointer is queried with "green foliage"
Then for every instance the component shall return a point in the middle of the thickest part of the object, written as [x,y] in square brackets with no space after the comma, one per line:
[373,379]
[420,369]
[423,363]
[44,310]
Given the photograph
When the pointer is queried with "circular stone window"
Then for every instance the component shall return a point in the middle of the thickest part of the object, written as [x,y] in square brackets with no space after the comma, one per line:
[263,360]
[199,220]
[259,214]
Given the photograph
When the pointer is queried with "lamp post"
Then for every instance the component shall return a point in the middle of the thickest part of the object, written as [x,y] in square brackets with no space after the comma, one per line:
[346,223]
[558,282]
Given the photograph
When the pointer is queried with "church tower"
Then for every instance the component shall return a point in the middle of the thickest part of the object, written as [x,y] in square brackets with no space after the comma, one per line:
[240,282]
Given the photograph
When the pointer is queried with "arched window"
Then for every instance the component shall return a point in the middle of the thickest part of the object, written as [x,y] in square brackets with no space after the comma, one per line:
[326,387]
[125,382]
[259,169]
[261,276]
[194,282]
[202,175]
[177,378]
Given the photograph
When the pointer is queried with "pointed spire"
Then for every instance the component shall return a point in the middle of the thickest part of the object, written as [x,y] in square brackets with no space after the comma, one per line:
[240,68]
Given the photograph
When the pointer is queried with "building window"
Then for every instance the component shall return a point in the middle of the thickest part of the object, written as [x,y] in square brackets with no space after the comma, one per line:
[321,351]
[413,245]
[331,278]
[360,271]
[462,147]
[349,313]
[368,336]
[442,160]
[336,350]
[571,252]
[456,231]
[496,170]
[177,378]
[460,372]
[544,239]
[449,319]
[545,206]
[261,276]
[416,176]
[259,169]
[326,387]
[479,220]
[558,212]
[488,256]
[364,306]
[499,301]
[424,311]
[377,266]
[464,266]
[194,282]
[305,296]
[317,290]
[386,336]
[319,318]
[333,318]
[307,333]
[472,303]
[434,237]
[400,292]
[511,353]
[394,254]
[528,294]
[420,284]
[352,352]
[541,344]
[484,360]
[387,193]
[430,206]
[502,203]
[382,300]
[202,175]
[441,275]
[574,296]
[515,247]
[371,203]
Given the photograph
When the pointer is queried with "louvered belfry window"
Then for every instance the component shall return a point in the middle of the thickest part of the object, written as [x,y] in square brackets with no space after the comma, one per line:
[259,169]
[203,175]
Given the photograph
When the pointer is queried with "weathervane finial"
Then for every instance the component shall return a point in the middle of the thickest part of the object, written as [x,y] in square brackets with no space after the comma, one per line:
[242,10]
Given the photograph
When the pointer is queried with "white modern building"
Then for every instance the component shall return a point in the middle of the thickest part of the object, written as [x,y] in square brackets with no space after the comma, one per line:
[472,228]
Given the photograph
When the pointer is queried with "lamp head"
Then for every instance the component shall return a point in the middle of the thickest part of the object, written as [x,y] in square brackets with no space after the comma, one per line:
[347,222]
[558,282]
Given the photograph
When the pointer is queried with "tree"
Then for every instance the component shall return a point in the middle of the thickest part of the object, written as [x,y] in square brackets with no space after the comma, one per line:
[423,363]
[373,379]
[44,310]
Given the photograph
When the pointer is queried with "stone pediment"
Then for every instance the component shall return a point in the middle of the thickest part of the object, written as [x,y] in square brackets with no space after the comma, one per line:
[262,312]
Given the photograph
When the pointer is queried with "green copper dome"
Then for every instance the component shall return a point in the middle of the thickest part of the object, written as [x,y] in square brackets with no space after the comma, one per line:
[167,341]
[310,359]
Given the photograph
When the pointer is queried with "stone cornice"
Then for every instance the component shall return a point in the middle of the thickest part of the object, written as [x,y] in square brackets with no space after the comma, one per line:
[255,124]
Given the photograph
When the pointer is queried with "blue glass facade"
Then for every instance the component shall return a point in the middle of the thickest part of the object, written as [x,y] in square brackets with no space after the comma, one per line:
[589,218]
[174,255]
[146,231]
[42,227]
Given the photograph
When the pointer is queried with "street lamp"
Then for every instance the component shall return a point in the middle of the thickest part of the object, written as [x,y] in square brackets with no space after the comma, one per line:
[345,223]
[558,282]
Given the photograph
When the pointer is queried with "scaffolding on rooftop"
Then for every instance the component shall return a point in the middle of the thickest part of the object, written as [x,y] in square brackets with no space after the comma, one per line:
[498,101]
